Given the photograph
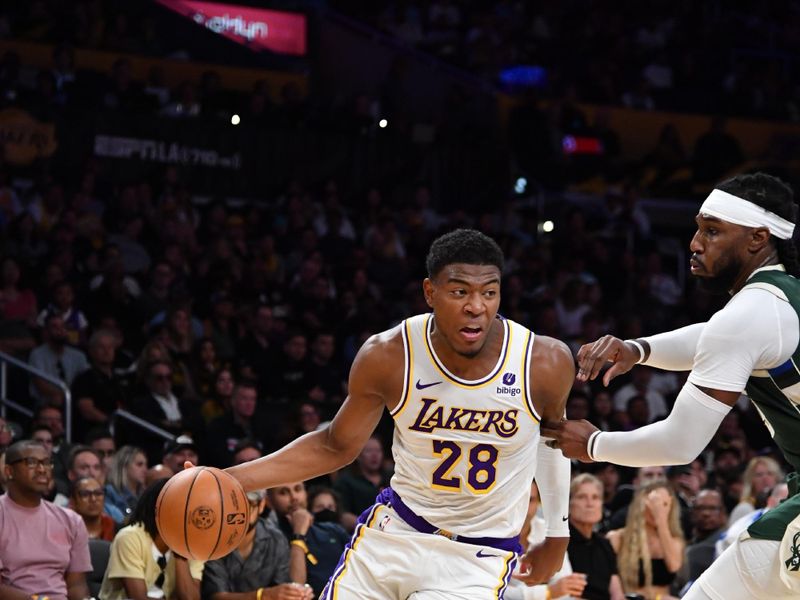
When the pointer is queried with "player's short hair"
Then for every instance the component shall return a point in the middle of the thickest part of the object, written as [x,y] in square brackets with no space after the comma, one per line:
[466,246]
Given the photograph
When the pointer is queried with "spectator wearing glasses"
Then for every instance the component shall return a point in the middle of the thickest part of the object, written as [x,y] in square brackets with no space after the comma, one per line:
[259,566]
[44,549]
[87,499]
[140,564]
[160,406]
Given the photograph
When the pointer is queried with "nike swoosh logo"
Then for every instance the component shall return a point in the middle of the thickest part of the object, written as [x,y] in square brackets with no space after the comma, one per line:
[422,386]
[480,554]
[564,518]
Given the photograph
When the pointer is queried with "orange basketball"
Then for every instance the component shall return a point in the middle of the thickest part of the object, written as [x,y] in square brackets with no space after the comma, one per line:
[202,513]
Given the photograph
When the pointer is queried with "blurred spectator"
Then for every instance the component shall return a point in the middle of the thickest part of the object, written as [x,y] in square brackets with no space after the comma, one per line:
[650,547]
[761,475]
[126,479]
[101,441]
[320,544]
[161,407]
[290,379]
[246,450]
[564,584]
[779,493]
[359,484]
[589,552]
[178,452]
[257,349]
[218,402]
[709,518]
[86,499]
[7,435]
[141,565]
[31,564]
[63,304]
[98,391]
[242,421]
[716,152]
[157,473]
[259,565]
[640,386]
[56,359]
[17,308]
[325,377]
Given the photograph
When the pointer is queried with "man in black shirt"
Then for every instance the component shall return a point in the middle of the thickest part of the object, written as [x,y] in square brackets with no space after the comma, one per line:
[589,552]
[98,391]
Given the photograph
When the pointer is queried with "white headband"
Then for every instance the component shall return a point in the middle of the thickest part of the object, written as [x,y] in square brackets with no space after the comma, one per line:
[739,211]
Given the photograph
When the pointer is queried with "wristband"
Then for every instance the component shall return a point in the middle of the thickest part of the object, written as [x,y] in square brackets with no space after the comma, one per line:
[302,545]
[591,443]
[259,593]
[639,347]
[299,536]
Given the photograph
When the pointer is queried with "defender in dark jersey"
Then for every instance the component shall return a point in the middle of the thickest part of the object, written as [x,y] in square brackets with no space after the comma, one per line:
[743,246]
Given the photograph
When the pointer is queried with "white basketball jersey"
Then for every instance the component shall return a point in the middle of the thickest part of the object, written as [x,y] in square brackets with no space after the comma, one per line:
[465,451]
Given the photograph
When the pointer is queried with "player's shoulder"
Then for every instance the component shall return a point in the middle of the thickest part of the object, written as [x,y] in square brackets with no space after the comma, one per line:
[551,354]
[384,346]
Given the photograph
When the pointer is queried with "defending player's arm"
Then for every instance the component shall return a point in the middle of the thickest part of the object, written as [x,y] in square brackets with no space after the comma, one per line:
[737,340]
[671,351]
[552,375]
[374,371]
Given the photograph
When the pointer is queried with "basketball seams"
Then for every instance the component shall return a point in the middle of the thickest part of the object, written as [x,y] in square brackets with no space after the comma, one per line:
[221,513]
[186,513]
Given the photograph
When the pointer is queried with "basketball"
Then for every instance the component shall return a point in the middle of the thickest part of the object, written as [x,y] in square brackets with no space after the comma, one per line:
[202,513]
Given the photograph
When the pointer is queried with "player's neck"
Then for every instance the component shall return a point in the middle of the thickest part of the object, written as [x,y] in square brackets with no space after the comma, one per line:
[762,259]
[474,366]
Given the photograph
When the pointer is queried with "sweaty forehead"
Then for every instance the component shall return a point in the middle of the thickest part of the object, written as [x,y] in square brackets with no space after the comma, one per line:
[480,274]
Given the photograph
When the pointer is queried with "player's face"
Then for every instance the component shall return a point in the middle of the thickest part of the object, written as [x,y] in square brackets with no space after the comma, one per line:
[586,504]
[716,248]
[465,299]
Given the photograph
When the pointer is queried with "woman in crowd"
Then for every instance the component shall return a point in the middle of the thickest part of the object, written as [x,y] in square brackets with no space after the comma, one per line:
[126,479]
[760,476]
[650,546]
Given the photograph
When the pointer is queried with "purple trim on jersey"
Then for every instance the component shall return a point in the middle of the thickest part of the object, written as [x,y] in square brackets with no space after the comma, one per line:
[511,566]
[426,334]
[423,526]
[363,519]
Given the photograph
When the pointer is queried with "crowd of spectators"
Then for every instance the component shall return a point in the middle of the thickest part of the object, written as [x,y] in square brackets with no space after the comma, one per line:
[231,326]
[695,57]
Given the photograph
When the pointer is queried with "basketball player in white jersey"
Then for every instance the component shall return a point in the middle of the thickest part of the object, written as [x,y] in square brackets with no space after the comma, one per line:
[467,389]
[743,245]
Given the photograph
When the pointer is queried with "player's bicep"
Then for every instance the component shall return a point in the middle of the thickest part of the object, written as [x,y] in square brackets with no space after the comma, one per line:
[552,375]
[739,339]
[370,386]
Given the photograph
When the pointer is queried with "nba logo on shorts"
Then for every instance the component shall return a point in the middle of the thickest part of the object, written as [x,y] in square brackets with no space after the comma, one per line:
[509,379]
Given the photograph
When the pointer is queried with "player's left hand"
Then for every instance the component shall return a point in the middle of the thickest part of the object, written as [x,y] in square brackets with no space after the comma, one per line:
[540,563]
[571,437]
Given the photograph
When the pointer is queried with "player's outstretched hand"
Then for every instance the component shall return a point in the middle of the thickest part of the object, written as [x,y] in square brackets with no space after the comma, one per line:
[540,563]
[571,437]
[593,357]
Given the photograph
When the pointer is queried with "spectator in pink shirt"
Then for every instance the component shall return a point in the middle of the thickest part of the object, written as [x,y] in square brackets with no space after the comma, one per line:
[44,549]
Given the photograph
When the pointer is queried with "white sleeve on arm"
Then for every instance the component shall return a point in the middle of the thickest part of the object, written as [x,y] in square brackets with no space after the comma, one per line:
[753,331]
[674,350]
[553,478]
[676,440]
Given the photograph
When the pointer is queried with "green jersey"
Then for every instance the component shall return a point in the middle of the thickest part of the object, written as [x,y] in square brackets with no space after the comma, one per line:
[776,394]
